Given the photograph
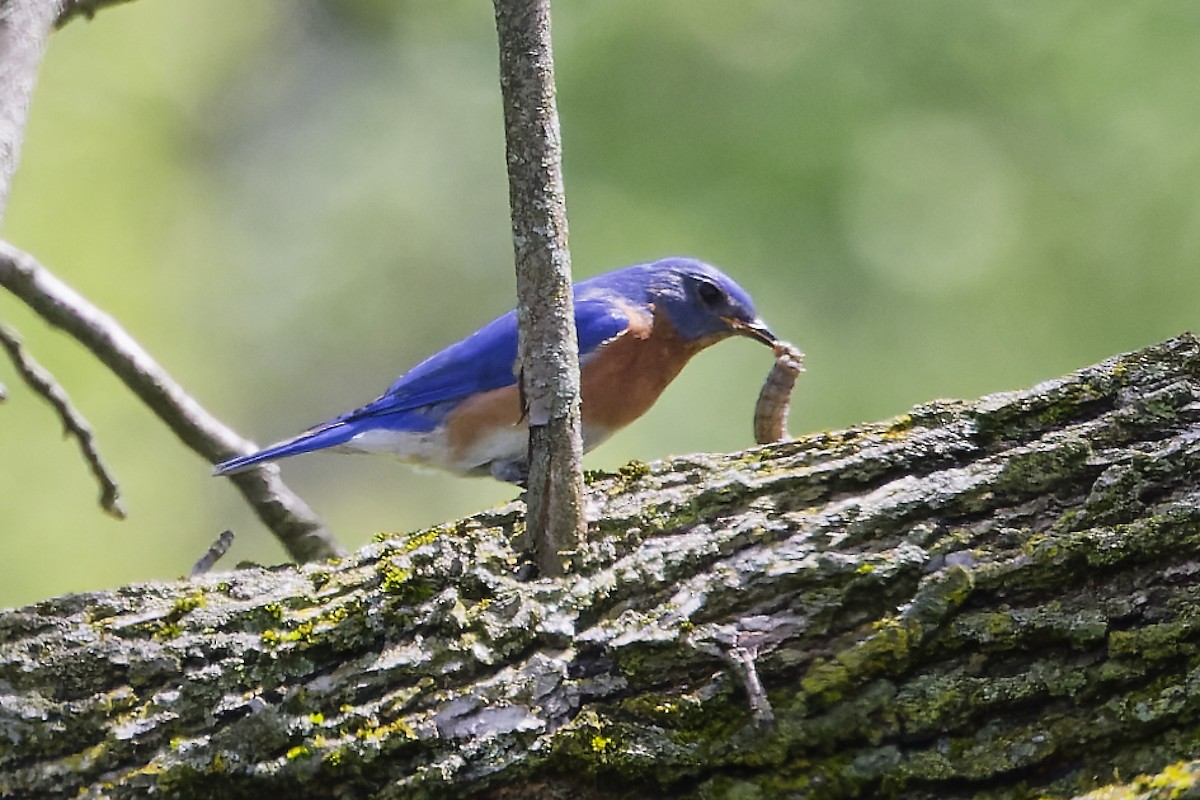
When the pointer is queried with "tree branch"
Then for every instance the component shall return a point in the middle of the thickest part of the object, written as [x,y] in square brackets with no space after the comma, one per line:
[83,8]
[44,385]
[548,352]
[291,520]
[25,27]
[996,598]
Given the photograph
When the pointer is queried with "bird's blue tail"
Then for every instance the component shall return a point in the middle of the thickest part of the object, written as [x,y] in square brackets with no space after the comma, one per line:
[318,438]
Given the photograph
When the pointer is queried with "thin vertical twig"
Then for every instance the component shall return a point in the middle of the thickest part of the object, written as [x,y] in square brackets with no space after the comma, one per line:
[548,353]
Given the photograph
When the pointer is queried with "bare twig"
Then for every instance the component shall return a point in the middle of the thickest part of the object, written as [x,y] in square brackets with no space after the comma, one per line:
[291,520]
[43,384]
[25,27]
[218,549]
[548,352]
[83,8]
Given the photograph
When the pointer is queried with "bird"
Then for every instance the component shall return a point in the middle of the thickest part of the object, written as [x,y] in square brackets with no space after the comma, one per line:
[460,410]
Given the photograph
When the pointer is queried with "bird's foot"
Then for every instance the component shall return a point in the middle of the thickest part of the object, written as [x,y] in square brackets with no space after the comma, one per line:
[511,472]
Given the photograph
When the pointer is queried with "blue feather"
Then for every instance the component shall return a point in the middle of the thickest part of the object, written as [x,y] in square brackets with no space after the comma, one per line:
[422,397]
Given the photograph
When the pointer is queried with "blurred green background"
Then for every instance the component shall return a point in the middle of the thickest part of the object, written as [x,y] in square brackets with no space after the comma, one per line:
[289,203]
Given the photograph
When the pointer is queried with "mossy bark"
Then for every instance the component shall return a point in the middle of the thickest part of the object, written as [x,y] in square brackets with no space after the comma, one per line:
[977,599]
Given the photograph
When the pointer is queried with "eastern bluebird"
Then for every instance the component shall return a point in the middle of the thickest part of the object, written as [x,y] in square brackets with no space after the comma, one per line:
[460,410]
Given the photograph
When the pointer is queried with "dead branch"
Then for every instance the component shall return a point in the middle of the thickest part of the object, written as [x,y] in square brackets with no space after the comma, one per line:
[43,384]
[291,520]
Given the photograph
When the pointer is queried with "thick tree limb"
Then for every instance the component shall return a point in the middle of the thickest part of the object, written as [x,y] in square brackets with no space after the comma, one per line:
[548,352]
[992,599]
[287,516]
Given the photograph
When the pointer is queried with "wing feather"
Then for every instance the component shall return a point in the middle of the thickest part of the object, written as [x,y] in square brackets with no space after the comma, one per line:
[484,361]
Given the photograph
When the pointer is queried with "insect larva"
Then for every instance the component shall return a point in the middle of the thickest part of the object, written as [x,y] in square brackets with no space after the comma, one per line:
[771,411]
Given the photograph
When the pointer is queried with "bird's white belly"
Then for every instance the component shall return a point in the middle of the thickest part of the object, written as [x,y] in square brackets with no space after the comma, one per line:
[414,447]
[503,444]
[431,448]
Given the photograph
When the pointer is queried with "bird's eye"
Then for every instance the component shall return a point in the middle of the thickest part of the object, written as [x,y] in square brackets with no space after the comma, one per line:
[710,293]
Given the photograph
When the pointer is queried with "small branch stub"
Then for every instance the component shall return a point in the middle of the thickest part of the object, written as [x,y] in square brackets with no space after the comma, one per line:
[214,554]
[548,351]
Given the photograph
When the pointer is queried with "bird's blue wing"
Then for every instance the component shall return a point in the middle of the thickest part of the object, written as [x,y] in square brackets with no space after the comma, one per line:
[485,359]
[421,398]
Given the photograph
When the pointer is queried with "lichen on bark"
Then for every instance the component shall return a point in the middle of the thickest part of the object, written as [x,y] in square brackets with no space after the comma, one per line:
[975,599]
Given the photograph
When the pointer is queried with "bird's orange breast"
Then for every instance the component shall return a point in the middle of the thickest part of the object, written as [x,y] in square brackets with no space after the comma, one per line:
[480,417]
[618,384]
[625,378]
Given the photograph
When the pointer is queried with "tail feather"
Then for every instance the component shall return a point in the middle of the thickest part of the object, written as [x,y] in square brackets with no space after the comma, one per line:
[329,435]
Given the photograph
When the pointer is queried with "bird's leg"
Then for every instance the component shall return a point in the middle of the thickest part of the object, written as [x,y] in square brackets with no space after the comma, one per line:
[515,471]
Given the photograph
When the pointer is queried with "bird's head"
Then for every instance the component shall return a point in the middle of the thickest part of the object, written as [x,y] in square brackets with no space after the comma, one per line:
[703,303]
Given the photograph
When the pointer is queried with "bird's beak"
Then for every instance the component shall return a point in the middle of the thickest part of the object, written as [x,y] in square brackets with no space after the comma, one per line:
[755,329]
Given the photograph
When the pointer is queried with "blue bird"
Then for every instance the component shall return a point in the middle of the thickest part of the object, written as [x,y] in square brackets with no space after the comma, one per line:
[460,410]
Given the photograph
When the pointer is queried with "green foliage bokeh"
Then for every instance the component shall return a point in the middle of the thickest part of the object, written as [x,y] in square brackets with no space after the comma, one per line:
[289,203]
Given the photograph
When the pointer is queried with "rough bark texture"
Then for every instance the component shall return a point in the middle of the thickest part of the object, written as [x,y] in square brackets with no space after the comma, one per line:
[991,599]
[549,353]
